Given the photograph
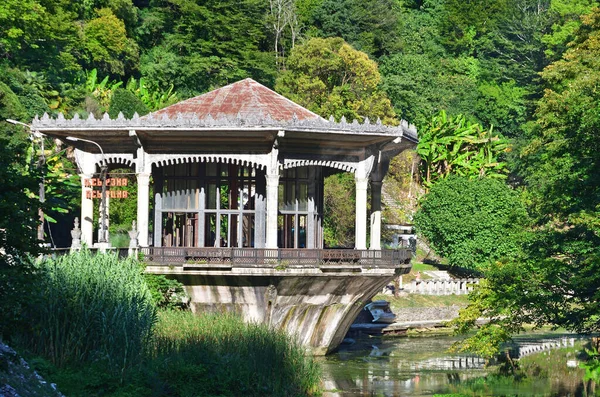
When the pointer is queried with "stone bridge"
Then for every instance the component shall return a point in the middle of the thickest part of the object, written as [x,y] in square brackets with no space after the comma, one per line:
[314,294]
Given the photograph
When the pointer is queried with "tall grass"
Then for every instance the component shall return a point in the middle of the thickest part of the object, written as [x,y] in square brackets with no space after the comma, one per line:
[222,355]
[91,308]
[98,331]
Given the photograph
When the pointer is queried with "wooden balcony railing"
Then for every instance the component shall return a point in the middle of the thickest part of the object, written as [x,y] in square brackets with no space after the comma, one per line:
[277,258]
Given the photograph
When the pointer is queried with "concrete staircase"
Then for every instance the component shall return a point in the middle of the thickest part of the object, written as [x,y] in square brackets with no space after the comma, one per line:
[389,201]
[438,274]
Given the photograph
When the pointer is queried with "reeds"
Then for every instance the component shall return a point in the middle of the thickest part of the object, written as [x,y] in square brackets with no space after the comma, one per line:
[242,359]
[94,314]
[91,308]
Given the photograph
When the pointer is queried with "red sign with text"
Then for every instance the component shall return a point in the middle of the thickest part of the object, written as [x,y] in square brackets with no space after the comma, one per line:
[97,182]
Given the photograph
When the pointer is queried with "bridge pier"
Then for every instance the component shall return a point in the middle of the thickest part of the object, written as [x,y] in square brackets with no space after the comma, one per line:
[318,308]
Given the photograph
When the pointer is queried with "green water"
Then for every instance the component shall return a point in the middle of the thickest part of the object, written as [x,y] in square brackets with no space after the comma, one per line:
[422,366]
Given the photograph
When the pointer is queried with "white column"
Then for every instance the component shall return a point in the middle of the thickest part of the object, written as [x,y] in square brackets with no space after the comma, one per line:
[272,194]
[360,229]
[87,165]
[311,229]
[375,215]
[260,210]
[143,200]
[87,211]
[272,209]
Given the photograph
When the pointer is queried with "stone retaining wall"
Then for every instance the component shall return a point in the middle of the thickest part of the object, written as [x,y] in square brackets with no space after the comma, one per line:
[426,313]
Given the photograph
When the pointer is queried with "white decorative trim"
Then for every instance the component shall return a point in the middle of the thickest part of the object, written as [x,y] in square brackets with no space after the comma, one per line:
[340,165]
[243,160]
[191,121]
[120,158]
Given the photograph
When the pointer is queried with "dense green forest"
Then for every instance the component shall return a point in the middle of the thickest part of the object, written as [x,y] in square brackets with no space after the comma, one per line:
[500,90]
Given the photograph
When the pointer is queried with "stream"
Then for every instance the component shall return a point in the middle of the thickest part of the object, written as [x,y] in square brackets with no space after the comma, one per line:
[422,366]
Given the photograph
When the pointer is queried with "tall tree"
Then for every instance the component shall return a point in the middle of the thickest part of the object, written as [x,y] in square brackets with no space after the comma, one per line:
[463,23]
[368,26]
[421,85]
[554,279]
[198,45]
[561,160]
[283,17]
[565,16]
[106,44]
[330,77]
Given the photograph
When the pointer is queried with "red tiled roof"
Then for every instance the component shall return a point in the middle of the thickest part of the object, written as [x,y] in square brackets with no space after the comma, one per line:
[245,98]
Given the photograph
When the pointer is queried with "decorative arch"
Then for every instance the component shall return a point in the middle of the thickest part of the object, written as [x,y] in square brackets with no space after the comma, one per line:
[348,167]
[207,158]
[122,159]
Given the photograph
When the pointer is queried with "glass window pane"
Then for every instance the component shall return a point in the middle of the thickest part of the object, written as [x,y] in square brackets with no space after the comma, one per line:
[248,231]
[211,169]
[168,229]
[234,195]
[224,195]
[303,172]
[303,196]
[211,196]
[249,197]
[285,233]
[290,230]
[224,231]
[302,231]
[210,227]
[234,239]
[290,196]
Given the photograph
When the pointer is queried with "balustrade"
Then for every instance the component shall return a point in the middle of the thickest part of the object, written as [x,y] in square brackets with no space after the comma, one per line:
[281,258]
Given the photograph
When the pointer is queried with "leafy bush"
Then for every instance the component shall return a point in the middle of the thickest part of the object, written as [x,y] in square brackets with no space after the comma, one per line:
[91,308]
[127,102]
[166,293]
[471,222]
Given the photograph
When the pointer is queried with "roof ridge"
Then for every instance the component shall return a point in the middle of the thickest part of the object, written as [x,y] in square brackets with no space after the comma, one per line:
[285,98]
[246,96]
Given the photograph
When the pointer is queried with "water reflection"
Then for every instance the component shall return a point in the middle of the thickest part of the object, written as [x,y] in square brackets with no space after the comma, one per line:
[423,367]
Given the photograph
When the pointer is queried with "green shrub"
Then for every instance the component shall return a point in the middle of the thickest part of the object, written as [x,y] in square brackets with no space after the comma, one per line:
[127,102]
[166,293]
[91,308]
[471,222]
